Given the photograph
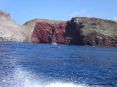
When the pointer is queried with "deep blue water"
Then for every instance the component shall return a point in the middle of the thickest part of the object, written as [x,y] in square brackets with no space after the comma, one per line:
[46,65]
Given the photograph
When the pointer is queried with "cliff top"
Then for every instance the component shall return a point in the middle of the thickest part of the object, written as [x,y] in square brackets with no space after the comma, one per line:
[43,20]
[93,19]
[4,15]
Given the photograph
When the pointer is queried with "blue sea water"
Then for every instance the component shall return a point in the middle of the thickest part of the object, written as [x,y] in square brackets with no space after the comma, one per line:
[47,65]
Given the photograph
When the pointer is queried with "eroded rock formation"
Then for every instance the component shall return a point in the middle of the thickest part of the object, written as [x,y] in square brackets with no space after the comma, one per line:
[44,31]
[78,31]
[11,31]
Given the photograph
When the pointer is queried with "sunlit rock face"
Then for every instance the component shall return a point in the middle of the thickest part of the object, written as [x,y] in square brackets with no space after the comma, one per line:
[47,26]
[78,31]
[45,32]
[9,30]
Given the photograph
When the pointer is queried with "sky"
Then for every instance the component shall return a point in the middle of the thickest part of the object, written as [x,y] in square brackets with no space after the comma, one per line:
[24,10]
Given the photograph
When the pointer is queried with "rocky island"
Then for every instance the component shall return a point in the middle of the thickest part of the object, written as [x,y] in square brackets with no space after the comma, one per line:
[77,31]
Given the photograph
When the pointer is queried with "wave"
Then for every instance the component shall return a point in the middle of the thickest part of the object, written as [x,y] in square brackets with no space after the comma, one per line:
[22,78]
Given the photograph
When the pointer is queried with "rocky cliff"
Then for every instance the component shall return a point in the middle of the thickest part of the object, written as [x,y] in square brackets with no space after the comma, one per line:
[78,31]
[45,32]
[30,25]
[11,31]
[98,32]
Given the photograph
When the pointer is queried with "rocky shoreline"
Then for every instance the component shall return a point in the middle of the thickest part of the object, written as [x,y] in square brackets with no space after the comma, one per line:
[77,31]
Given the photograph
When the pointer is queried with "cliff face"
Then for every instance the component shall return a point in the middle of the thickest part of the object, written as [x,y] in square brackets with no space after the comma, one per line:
[79,31]
[45,32]
[9,30]
[30,25]
[98,32]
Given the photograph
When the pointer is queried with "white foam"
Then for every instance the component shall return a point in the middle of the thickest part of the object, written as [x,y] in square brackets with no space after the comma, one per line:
[23,78]
[59,84]
[55,84]
[54,43]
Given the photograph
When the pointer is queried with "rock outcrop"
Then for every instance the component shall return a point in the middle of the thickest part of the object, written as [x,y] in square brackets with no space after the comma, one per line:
[78,31]
[44,32]
[98,32]
[30,25]
[9,30]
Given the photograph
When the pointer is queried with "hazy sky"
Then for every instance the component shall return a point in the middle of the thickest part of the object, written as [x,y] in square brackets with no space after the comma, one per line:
[23,10]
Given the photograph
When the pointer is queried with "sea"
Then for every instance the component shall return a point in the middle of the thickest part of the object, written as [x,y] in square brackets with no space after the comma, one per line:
[49,65]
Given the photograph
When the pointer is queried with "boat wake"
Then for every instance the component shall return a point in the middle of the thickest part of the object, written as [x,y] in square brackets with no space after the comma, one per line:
[21,78]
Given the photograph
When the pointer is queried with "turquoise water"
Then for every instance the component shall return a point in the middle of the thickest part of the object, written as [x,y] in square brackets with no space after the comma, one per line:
[46,65]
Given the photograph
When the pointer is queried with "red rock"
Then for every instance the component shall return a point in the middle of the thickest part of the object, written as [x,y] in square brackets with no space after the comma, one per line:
[73,32]
[43,32]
